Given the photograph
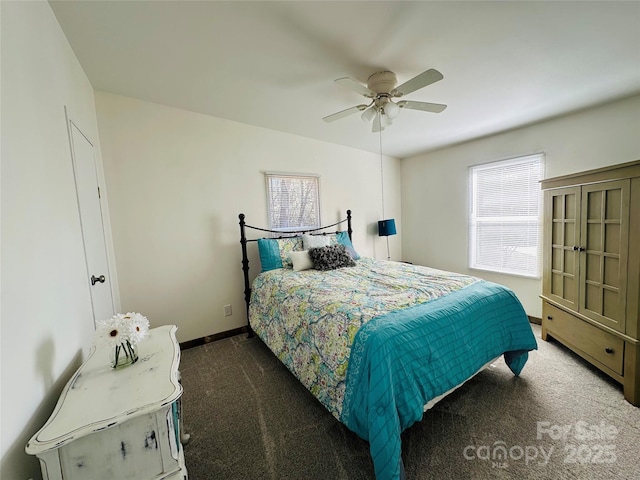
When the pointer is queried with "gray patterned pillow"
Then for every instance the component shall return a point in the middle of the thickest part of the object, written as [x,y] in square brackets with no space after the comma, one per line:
[331,257]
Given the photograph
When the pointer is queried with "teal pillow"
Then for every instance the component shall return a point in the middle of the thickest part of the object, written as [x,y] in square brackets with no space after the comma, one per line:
[343,238]
[274,252]
[269,254]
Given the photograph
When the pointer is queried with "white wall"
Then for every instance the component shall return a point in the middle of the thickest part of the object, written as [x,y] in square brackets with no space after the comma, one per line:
[46,316]
[434,185]
[177,181]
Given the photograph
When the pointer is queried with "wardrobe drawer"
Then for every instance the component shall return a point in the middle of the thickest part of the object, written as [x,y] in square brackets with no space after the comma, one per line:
[607,349]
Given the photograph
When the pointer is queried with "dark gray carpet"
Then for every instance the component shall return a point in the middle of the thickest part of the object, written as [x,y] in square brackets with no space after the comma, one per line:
[249,418]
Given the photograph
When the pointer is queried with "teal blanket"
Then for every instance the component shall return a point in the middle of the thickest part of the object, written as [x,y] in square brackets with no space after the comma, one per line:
[401,360]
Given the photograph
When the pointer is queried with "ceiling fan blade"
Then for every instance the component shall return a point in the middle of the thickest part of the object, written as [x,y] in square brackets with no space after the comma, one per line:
[356,87]
[423,106]
[344,113]
[422,80]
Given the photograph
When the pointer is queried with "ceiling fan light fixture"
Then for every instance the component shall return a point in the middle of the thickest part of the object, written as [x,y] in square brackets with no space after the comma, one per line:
[377,125]
[391,110]
[369,114]
[386,120]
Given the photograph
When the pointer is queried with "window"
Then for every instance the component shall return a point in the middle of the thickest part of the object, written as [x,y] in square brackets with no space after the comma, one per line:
[294,201]
[505,216]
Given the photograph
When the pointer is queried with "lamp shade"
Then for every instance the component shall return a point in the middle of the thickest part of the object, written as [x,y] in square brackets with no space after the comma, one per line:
[386,227]
[368,114]
[391,110]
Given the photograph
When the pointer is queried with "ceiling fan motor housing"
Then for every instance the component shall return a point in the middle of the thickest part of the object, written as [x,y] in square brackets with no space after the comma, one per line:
[382,82]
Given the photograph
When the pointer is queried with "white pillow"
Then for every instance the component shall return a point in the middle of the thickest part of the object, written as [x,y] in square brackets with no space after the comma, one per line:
[315,241]
[301,260]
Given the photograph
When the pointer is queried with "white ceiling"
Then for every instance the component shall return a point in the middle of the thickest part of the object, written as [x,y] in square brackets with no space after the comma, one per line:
[273,64]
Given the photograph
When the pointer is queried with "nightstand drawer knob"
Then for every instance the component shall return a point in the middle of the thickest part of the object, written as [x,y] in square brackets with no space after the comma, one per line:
[549,317]
[608,349]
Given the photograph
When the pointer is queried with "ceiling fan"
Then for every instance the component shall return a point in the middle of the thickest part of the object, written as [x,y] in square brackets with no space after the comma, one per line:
[381,89]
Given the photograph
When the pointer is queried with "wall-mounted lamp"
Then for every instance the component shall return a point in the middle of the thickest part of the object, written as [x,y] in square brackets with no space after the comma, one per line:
[385,229]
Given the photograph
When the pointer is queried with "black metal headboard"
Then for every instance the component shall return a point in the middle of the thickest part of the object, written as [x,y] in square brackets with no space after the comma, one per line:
[277,234]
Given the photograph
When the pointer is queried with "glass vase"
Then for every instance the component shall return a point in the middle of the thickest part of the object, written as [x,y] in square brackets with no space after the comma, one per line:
[123,354]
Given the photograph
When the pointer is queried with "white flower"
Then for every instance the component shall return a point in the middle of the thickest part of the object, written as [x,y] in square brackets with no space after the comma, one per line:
[111,332]
[137,327]
[121,328]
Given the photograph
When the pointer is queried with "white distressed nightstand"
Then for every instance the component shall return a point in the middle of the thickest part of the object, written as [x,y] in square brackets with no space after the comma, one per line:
[119,424]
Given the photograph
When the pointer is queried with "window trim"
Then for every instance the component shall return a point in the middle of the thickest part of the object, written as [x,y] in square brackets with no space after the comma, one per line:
[473,221]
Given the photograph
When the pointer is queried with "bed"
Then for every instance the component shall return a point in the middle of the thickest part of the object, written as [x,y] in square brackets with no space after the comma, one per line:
[376,342]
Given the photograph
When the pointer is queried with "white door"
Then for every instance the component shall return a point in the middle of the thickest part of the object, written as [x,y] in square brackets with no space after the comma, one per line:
[84,166]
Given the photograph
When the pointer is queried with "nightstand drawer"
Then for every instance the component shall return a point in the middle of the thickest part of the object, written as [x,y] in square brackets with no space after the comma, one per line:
[602,346]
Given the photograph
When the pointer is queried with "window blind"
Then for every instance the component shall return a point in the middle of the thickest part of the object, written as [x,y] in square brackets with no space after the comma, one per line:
[505,216]
[293,201]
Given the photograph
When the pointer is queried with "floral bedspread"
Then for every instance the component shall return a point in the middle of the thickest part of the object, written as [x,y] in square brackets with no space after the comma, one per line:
[309,319]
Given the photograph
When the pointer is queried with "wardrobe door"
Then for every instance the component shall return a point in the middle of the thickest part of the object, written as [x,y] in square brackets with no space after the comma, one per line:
[561,240]
[603,252]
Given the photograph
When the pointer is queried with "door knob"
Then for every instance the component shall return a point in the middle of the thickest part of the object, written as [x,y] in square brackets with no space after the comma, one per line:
[95,279]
